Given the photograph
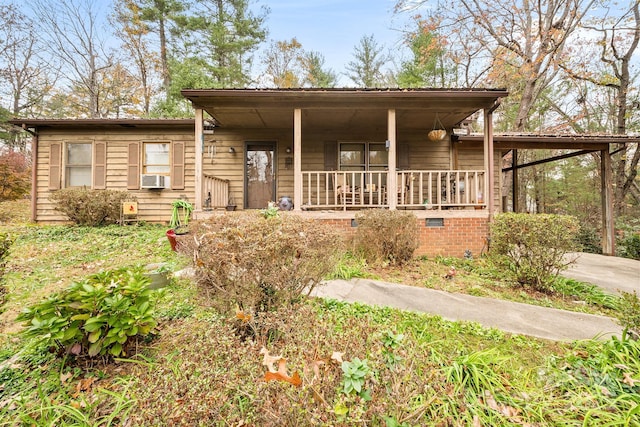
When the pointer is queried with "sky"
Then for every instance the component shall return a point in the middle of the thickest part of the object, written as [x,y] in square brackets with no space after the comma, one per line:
[334,27]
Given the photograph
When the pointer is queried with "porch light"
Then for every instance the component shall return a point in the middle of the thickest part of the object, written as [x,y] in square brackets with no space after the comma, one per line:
[288,150]
[232,150]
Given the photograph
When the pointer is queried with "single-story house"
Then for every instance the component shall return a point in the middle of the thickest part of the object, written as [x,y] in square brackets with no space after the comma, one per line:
[323,153]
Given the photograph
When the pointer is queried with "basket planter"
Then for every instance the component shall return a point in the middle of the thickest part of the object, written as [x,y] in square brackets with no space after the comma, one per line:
[437,134]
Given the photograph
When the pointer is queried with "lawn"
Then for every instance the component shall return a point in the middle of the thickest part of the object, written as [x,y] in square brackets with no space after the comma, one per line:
[201,368]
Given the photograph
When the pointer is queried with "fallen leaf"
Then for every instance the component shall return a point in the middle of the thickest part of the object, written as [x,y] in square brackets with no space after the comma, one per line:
[316,368]
[628,379]
[65,377]
[241,315]
[78,405]
[282,375]
[76,349]
[337,356]
[490,401]
[268,360]
[509,411]
[84,385]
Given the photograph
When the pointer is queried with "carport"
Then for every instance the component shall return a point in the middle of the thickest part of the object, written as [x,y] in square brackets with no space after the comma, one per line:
[606,145]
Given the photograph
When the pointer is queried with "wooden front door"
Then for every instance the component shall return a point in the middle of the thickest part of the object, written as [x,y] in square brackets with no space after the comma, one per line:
[260,174]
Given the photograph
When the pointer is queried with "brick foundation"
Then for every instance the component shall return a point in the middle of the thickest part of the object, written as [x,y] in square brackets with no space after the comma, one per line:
[452,238]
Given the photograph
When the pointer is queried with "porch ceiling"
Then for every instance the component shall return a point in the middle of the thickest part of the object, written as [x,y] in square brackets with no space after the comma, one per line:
[341,108]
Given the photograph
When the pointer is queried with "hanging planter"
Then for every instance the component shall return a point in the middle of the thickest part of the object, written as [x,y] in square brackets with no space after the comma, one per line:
[438,133]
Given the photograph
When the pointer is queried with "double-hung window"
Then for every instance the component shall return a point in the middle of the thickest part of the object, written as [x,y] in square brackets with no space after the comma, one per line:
[156,158]
[78,156]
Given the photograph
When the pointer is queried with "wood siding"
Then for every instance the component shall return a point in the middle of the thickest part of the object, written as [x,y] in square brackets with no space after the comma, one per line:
[122,168]
[120,173]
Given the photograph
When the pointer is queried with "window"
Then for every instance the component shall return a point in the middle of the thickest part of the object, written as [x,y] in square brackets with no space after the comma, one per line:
[156,158]
[363,156]
[78,164]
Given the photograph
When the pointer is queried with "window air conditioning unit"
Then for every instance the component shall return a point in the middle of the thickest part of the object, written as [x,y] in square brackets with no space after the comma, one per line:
[154,181]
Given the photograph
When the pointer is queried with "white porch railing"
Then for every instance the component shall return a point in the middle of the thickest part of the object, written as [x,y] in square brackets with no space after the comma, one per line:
[420,189]
[216,192]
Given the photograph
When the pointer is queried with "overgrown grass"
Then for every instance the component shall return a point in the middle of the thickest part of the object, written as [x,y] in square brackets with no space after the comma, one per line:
[200,370]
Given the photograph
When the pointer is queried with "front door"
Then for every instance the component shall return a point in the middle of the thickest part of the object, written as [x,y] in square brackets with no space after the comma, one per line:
[259,174]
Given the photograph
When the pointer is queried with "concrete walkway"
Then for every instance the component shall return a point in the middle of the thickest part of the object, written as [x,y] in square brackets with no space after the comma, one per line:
[517,318]
[611,273]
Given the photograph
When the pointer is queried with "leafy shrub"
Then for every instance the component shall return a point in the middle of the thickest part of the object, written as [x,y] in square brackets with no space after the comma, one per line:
[99,315]
[386,236]
[589,239]
[630,246]
[532,248]
[5,244]
[256,263]
[90,207]
[14,175]
[628,313]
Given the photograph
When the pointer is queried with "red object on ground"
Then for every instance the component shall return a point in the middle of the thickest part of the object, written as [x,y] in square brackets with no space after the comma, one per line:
[171,235]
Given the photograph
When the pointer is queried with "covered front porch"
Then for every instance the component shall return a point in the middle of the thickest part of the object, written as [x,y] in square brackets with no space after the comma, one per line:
[343,149]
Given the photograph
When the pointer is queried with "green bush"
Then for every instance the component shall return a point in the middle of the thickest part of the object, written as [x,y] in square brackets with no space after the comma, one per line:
[589,239]
[97,316]
[630,246]
[258,263]
[532,248]
[5,244]
[628,313]
[386,236]
[90,207]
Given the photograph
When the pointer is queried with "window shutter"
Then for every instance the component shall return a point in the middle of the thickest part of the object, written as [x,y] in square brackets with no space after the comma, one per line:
[403,156]
[55,165]
[177,166]
[330,155]
[100,165]
[133,166]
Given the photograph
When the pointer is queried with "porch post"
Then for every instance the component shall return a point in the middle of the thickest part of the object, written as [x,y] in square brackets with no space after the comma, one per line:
[297,159]
[515,185]
[606,196]
[199,142]
[488,160]
[392,176]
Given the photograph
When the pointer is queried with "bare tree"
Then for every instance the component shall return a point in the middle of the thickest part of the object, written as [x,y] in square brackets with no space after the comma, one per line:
[75,37]
[618,39]
[134,32]
[526,37]
[25,78]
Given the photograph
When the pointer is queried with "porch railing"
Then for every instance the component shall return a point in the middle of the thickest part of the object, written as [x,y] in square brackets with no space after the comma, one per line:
[417,189]
[216,192]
